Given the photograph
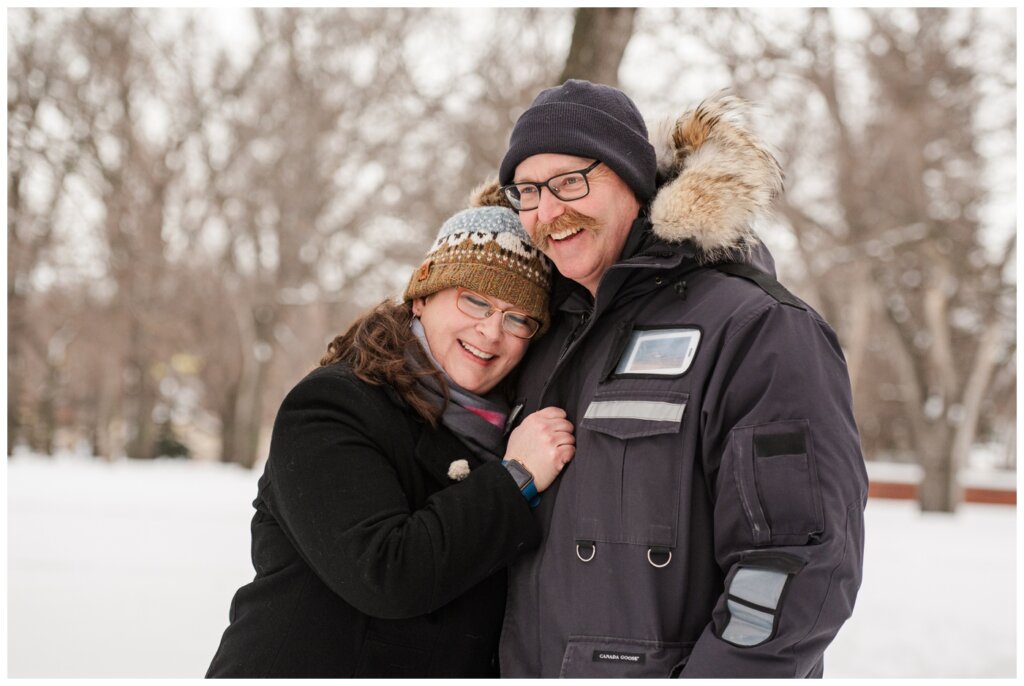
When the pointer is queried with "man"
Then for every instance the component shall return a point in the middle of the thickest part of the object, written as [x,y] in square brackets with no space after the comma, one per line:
[711,524]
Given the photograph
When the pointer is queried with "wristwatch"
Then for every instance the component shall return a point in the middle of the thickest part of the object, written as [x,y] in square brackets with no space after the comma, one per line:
[524,480]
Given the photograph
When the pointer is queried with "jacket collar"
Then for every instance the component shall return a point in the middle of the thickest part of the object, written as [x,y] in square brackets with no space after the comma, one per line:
[643,253]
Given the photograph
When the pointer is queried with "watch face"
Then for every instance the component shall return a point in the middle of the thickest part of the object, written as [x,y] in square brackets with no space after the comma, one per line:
[519,473]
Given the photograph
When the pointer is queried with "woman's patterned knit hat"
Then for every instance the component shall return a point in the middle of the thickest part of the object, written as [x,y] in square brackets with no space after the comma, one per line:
[486,249]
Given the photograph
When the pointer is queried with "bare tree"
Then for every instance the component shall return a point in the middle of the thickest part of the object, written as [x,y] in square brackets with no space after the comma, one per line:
[599,39]
[886,193]
[132,169]
[234,210]
[96,117]
[329,198]
[39,161]
[181,220]
[292,182]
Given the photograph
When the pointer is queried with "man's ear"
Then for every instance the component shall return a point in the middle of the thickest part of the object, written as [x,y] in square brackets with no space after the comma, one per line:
[417,306]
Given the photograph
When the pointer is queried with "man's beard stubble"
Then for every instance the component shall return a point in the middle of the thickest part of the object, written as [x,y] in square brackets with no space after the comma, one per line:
[570,219]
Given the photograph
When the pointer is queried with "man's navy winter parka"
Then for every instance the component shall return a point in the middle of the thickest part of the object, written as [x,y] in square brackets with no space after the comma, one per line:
[711,523]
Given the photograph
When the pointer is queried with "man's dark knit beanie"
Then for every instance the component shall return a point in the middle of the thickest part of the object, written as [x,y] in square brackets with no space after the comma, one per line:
[586,120]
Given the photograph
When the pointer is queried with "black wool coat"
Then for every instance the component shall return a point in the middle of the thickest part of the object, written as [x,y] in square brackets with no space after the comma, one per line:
[370,560]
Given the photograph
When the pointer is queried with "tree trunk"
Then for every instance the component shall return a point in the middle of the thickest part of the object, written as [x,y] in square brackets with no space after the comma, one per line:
[940,487]
[255,327]
[14,375]
[247,416]
[264,320]
[252,423]
[599,39]
[15,309]
[973,395]
[1011,448]
[101,420]
[142,443]
[141,431]
[229,425]
[859,331]
[48,408]
[932,438]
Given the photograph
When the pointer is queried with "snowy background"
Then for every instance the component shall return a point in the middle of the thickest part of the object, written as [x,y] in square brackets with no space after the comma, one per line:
[127,570]
[140,315]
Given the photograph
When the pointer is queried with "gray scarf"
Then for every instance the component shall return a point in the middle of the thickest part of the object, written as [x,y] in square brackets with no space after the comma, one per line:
[485,439]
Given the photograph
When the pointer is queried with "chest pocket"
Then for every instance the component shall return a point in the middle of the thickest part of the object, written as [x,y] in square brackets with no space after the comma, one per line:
[630,469]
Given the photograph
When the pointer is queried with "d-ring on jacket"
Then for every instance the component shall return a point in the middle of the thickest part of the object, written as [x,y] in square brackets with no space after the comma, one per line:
[711,524]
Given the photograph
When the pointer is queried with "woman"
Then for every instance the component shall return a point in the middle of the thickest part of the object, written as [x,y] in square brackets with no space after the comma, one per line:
[386,514]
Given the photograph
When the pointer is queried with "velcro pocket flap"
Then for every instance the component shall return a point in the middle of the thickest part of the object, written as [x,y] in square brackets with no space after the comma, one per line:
[635,413]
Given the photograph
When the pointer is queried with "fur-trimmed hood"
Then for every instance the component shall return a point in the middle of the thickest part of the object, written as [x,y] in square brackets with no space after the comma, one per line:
[715,177]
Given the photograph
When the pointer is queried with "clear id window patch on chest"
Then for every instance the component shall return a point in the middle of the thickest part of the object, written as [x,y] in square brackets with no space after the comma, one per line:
[658,352]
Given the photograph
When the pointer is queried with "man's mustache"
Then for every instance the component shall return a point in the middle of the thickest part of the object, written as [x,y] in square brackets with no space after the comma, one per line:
[570,219]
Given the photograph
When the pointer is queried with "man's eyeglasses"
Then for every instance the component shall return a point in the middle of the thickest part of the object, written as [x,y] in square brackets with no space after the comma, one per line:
[568,186]
[517,323]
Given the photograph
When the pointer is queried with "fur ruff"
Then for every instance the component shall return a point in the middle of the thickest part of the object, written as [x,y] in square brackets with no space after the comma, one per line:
[719,179]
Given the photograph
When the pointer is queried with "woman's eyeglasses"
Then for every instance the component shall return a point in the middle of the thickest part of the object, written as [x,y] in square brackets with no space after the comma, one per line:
[517,323]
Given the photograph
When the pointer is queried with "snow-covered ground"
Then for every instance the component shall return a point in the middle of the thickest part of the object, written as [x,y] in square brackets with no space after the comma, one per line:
[127,570]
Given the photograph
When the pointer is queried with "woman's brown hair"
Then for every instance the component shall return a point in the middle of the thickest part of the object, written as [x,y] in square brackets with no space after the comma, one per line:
[377,346]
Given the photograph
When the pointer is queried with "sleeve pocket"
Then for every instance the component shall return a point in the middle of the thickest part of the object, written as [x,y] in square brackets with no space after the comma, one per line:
[778,482]
[755,592]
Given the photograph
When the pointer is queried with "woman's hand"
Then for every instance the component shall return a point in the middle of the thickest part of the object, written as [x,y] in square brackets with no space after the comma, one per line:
[543,443]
